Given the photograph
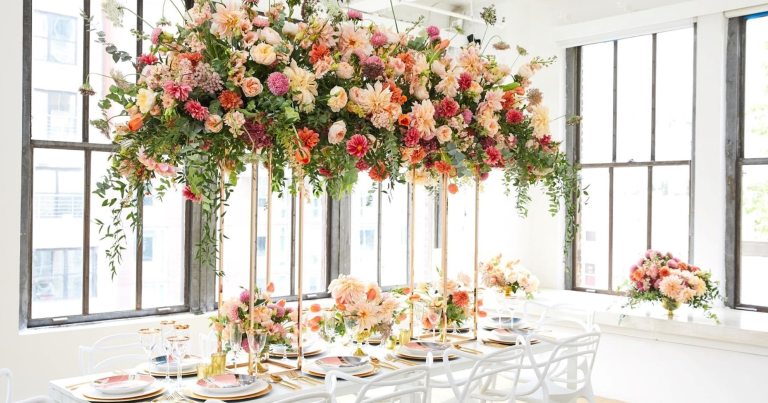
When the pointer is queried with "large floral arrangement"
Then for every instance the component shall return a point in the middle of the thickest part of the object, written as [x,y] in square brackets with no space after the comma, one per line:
[372,310]
[270,316]
[510,278]
[318,100]
[667,279]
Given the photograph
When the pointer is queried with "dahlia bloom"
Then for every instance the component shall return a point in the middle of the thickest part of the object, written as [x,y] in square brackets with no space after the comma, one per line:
[357,146]
[278,83]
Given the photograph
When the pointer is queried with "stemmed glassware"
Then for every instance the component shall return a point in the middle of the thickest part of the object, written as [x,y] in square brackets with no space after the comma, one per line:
[167,330]
[149,338]
[257,339]
[179,347]
[235,341]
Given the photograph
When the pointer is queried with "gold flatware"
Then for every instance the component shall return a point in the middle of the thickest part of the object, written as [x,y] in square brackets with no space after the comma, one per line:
[392,358]
[494,344]
[466,349]
[381,363]
[279,379]
[296,375]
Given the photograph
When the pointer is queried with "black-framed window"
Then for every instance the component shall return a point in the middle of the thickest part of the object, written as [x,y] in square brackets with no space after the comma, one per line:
[64,273]
[635,147]
[747,158]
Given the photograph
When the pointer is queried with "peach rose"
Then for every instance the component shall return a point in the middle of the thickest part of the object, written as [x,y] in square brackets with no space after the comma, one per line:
[213,124]
[251,86]
[337,132]
[263,53]
[444,134]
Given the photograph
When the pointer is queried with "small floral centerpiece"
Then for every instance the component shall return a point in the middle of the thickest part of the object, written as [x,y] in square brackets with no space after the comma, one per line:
[511,277]
[268,316]
[364,308]
[444,309]
[667,279]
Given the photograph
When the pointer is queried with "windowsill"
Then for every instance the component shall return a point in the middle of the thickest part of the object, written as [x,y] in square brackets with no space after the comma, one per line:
[743,331]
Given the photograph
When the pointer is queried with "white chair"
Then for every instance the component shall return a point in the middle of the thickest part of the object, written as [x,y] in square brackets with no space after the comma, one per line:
[7,377]
[480,382]
[566,374]
[558,315]
[410,384]
[312,397]
[112,352]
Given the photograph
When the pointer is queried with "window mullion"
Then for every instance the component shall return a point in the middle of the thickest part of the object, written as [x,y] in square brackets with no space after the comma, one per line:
[613,159]
[649,195]
[139,249]
[86,232]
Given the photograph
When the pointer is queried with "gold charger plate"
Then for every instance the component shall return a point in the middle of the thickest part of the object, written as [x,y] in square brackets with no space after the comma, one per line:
[149,395]
[192,371]
[228,398]
[372,372]
[420,358]
[294,354]
[509,342]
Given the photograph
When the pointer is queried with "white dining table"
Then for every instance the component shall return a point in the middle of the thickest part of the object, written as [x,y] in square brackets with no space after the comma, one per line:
[61,390]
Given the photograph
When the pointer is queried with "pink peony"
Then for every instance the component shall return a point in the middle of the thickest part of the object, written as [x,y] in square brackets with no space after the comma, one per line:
[467,115]
[378,39]
[433,32]
[493,156]
[447,108]
[278,83]
[357,146]
[196,110]
[260,22]
[411,138]
[354,14]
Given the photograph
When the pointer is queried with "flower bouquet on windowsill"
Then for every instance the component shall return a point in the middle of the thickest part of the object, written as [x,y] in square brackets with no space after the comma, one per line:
[363,309]
[666,279]
[509,278]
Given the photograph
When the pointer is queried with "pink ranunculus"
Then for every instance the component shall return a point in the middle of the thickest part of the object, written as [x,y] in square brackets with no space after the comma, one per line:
[354,14]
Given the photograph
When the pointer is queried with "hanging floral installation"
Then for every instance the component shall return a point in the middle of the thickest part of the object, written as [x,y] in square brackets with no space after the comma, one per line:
[320,100]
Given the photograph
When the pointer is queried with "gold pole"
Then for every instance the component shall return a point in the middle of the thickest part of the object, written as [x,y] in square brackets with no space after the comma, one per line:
[252,276]
[220,274]
[476,260]
[412,245]
[300,246]
[268,263]
[444,250]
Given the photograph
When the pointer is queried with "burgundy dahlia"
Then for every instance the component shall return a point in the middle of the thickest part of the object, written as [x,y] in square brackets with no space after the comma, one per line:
[256,135]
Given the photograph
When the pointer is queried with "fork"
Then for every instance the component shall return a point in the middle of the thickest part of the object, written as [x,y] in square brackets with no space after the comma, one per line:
[392,358]
[295,375]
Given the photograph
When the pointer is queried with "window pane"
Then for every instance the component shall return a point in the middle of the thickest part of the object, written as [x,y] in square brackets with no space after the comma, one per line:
[671,205]
[753,270]
[426,257]
[57,71]
[461,230]
[238,234]
[597,102]
[364,229]
[107,293]
[394,235]
[674,94]
[593,236]
[756,89]
[163,253]
[630,215]
[633,91]
[314,245]
[281,234]
[103,64]
[57,261]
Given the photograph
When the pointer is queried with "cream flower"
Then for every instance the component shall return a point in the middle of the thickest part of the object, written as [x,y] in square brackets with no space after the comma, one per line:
[145,100]
[337,132]
[525,71]
[338,99]
[346,290]
[235,121]
[423,116]
[303,84]
[270,36]
[263,53]
[344,71]
[375,99]
[251,86]
[290,29]
[228,19]
[444,134]
[213,124]
[354,41]
[540,121]
[449,85]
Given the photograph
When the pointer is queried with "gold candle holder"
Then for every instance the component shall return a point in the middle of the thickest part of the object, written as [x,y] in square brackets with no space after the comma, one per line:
[218,364]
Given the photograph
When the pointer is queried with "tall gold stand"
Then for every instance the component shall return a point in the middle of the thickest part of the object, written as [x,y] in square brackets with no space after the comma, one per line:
[476,261]
[300,257]
[411,248]
[220,270]
[268,262]
[252,275]
[444,251]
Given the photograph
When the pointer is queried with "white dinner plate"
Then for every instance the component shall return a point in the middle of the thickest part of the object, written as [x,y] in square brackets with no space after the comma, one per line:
[228,384]
[122,384]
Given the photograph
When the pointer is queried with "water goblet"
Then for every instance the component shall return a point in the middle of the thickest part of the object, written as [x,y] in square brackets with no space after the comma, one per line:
[149,337]
[179,346]
[167,330]
[235,341]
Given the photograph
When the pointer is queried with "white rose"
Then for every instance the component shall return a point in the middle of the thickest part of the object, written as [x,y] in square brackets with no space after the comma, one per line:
[290,29]
[145,99]
[263,54]
[444,134]
[270,36]
[421,93]
[337,132]
[525,71]
[344,71]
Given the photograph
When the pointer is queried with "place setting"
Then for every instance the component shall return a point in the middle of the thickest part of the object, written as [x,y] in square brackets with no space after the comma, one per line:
[227,387]
[361,367]
[121,388]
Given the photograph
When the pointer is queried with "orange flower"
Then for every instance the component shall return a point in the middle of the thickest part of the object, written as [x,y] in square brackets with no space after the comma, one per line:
[136,122]
[404,120]
[479,302]
[315,308]
[318,52]
[442,45]
[406,290]
[315,320]
[508,100]
[378,173]
[371,294]
[482,314]
[417,155]
[230,100]
[309,137]
[425,322]
[638,275]
[664,271]
[302,156]
[520,90]
[453,188]
[414,298]
[683,266]
[281,302]
[444,167]
[402,317]
[461,299]
[271,287]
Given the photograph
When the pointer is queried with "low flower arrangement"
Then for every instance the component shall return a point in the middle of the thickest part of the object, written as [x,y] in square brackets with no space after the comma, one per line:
[370,309]
[268,316]
[453,303]
[667,279]
[509,278]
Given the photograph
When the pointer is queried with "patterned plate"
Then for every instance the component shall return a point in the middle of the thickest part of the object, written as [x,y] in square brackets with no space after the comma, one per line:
[251,395]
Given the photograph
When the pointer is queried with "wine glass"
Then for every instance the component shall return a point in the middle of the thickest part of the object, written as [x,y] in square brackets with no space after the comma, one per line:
[167,330]
[328,331]
[235,341]
[257,339]
[349,329]
[179,346]
[148,338]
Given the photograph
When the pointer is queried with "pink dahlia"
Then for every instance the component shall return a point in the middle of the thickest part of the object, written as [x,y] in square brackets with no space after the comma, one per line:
[514,116]
[467,115]
[147,59]
[196,110]
[412,137]
[493,155]
[354,14]
[177,91]
[465,81]
[447,108]
[278,83]
[357,146]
